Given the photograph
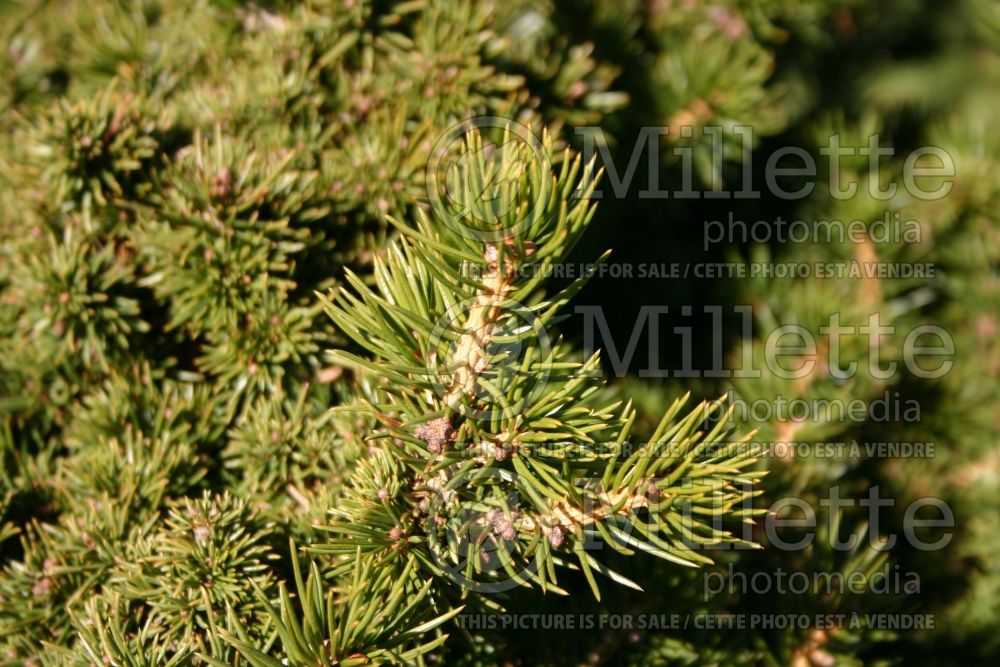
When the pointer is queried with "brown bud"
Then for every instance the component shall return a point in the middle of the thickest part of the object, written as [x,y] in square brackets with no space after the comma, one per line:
[41,587]
[505,529]
[222,184]
[435,433]
[201,533]
[576,90]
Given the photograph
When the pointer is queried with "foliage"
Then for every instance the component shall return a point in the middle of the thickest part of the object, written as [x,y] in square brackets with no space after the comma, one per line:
[267,277]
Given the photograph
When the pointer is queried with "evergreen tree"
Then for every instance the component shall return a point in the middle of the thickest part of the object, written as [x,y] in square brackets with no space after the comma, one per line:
[289,373]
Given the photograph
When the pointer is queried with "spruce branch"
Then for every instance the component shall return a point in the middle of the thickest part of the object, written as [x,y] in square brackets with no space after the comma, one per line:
[378,617]
[502,459]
